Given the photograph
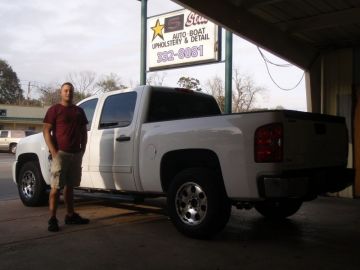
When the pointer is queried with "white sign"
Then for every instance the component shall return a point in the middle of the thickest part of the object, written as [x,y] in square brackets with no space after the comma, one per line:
[181,38]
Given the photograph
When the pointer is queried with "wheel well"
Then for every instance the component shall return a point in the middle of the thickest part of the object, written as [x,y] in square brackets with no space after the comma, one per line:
[22,159]
[174,162]
[11,144]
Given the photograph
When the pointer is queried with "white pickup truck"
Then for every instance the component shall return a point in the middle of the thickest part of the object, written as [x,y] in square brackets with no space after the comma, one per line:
[157,141]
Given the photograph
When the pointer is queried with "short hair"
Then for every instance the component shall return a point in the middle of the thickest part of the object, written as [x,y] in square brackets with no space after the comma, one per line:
[69,84]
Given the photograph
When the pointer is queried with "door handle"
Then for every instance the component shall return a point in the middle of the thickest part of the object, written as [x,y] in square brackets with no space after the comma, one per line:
[123,138]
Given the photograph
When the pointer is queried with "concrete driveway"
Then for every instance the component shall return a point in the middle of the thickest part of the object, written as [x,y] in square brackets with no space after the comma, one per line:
[324,234]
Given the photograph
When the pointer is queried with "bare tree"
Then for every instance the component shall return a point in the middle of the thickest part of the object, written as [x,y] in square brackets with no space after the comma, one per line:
[156,79]
[110,83]
[49,94]
[215,87]
[83,81]
[244,92]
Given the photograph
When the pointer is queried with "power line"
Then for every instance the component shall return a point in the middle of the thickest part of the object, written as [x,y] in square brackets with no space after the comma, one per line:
[267,61]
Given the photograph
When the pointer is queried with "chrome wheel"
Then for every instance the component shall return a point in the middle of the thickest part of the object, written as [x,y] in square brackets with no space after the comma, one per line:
[27,184]
[191,203]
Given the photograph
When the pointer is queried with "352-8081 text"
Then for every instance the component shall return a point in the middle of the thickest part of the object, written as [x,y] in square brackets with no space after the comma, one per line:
[189,52]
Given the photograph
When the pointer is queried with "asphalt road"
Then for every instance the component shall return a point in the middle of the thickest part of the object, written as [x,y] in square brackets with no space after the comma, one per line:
[8,189]
[324,234]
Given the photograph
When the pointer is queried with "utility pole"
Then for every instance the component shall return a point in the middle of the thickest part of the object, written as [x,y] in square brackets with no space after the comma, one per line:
[143,42]
[228,71]
[28,92]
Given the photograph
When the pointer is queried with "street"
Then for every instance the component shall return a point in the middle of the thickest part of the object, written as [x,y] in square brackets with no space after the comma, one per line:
[7,187]
[324,234]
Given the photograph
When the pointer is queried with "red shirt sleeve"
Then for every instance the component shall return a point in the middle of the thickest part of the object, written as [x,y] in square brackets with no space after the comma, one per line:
[50,116]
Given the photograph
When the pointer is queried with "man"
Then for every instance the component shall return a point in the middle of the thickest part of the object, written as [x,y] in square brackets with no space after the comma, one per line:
[65,134]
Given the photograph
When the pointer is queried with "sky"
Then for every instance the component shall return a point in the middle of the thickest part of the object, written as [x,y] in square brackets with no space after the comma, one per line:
[45,40]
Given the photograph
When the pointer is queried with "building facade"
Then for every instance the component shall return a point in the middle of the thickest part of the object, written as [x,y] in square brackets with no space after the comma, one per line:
[21,117]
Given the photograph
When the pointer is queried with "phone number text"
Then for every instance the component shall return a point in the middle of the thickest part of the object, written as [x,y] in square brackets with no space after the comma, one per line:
[182,53]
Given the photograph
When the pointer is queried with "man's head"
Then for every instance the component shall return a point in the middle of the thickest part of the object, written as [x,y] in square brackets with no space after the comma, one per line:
[67,93]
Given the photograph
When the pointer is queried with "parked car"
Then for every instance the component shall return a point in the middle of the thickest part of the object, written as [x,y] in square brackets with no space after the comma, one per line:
[10,138]
[157,141]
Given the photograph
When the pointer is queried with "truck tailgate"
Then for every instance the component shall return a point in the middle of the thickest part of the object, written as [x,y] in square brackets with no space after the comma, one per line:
[314,140]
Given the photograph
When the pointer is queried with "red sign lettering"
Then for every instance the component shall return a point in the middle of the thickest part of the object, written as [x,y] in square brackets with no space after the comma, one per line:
[194,19]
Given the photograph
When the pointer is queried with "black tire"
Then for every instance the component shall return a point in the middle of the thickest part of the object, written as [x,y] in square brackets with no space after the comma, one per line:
[197,203]
[278,209]
[12,148]
[31,185]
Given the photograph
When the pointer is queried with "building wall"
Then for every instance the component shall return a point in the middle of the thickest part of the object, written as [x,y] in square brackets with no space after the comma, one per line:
[330,91]
[21,117]
[338,94]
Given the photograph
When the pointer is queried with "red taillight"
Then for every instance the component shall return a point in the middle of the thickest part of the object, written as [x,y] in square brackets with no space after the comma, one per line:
[269,143]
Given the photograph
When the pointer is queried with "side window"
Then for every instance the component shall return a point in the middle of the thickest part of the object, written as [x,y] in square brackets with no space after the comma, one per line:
[89,109]
[118,110]
[17,134]
[4,134]
[29,132]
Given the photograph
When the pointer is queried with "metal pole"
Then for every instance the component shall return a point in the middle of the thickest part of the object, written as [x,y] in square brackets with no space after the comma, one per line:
[228,71]
[143,42]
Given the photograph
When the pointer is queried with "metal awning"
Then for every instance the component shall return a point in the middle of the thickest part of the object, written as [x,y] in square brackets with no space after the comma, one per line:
[297,30]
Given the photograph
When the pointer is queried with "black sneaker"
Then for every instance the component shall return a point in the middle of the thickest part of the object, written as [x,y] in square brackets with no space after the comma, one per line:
[75,218]
[53,225]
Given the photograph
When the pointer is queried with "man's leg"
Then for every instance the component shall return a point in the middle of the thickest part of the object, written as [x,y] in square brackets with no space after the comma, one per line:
[53,204]
[69,199]
[73,180]
[53,201]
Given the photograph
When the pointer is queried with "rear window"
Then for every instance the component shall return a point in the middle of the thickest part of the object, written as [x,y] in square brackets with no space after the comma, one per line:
[168,104]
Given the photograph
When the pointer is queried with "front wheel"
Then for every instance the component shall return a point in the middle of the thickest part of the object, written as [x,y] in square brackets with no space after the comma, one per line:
[12,148]
[197,202]
[278,209]
[31,185]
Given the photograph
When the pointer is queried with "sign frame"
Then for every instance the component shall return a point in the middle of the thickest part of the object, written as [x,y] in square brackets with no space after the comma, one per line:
[173,26]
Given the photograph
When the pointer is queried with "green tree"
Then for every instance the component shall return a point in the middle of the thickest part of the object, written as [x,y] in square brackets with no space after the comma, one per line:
[10,90]
[189,83]
[110,83]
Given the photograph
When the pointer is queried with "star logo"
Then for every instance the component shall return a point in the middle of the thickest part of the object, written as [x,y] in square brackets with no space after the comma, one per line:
[158,30]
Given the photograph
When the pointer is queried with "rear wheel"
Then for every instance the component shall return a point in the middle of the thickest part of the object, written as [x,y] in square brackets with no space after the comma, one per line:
[31,185]
[198,205]
[278,209]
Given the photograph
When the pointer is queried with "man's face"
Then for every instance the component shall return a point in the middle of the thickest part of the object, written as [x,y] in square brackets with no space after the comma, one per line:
[67,94]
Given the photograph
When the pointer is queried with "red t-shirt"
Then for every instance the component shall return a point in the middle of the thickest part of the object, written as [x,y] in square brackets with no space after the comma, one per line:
[67,126]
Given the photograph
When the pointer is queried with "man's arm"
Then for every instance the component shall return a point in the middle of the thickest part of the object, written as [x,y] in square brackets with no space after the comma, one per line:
[83,138]
[48,139]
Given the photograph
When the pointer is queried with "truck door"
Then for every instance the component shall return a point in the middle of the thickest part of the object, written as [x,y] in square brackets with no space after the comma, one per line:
[89,109]
[112,143]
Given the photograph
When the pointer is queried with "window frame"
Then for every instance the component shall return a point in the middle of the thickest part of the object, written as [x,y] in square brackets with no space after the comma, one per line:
[100,127]
[89,125]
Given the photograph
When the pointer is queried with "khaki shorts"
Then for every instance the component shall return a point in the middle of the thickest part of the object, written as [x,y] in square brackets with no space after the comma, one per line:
[66,170]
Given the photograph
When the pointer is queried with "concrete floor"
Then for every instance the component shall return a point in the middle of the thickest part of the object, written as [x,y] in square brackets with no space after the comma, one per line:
[324,234]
